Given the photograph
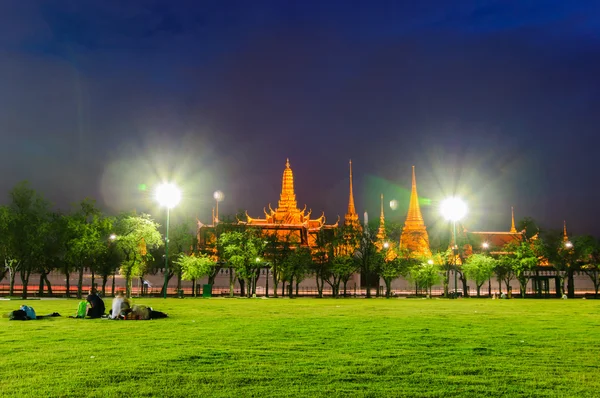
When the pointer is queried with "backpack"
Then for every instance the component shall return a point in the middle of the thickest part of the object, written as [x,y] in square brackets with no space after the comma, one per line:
[81,308]
[29,312]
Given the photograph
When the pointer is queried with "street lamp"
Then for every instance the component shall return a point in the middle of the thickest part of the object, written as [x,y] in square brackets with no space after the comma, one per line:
[112,237]
[218,196]
[454,209]
[167,195]
[568,244]
[485,245]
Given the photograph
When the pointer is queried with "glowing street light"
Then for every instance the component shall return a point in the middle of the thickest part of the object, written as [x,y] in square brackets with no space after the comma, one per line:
[568,244]
[112,237]
[218,196]
[169,196]
[485,245]
[454,209]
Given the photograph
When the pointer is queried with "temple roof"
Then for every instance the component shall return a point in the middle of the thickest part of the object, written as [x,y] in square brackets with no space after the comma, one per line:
[287,213]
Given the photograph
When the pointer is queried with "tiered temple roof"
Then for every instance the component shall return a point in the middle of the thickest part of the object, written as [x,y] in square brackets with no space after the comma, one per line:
[288,218]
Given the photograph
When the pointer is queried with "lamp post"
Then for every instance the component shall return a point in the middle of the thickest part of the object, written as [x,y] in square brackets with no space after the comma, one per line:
[486,246]
[218,196]
[454,209]
[167,195]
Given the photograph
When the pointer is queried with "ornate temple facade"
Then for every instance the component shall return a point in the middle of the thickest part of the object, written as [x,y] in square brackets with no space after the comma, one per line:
[287,220]
[414,234]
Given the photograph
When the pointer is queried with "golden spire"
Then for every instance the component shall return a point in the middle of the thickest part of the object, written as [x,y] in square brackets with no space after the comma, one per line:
[414,234]
[565,236]
[381,231]
[351,216]
[414,211]
[287,199]
[351,208]
[513,230]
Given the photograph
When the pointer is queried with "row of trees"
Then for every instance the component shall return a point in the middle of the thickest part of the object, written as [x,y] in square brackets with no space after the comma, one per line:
[341,253]
[35,239]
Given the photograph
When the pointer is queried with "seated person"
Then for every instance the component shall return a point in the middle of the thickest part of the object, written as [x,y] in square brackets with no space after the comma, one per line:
[96,305]
[120,305]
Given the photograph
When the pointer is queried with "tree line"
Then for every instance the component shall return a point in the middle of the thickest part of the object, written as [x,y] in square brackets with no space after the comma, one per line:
[35,239]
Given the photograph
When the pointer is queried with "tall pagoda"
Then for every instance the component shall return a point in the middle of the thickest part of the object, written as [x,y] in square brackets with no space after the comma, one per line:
[287,220]
[414,234]
[351,217]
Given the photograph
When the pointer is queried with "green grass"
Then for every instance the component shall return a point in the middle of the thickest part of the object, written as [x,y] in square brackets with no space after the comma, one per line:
[309,347]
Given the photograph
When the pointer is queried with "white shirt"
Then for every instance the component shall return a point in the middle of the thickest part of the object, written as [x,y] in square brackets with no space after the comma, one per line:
[116,307]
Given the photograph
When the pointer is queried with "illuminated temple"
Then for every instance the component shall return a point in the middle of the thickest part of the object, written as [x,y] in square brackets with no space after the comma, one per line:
[414,234]
[287,221]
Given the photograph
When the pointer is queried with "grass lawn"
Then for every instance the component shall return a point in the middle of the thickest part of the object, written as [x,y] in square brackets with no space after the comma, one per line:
[308,347]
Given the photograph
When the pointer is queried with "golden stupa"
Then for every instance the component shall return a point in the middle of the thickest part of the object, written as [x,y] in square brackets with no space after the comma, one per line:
[414,234]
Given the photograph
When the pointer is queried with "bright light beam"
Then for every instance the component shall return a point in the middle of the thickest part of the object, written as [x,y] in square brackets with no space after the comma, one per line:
[168,195]
[453,209]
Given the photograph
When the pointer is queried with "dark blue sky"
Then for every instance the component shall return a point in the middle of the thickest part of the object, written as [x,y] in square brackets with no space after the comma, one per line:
[494,100]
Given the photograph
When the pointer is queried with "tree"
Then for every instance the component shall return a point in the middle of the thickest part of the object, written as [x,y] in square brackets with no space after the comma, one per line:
[505,272]
[321,258]
[479,268]
[27,226]
[134,234]
[297,266]
[241,251]
[526,261]
[6,247]
[391,269]
[340,267]
[182,239]
[277,251]
[563,258]
[84,238]
[588,255]
[53,250]
[426,274]
[195,267]
[530,227]
[108,256]
[365,253]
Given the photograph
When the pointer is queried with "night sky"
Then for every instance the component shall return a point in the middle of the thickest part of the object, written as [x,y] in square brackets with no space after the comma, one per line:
[496,101]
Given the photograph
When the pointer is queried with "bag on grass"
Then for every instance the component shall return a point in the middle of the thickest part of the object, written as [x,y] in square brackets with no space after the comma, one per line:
[29,311]
[81,307]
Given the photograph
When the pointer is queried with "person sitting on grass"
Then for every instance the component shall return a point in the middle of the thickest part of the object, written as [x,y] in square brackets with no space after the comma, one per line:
[120,305]
[96,305]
